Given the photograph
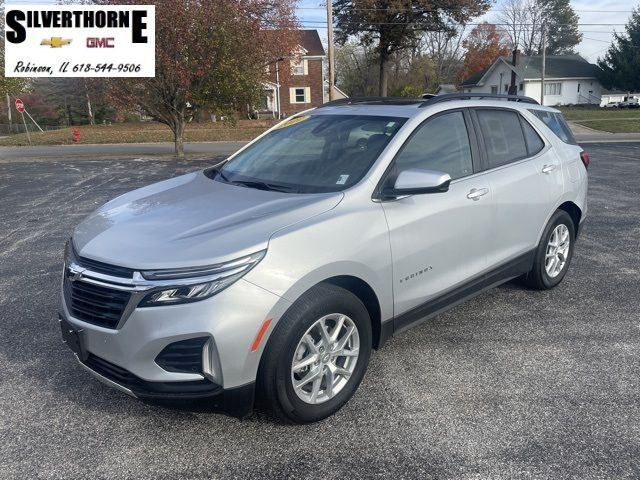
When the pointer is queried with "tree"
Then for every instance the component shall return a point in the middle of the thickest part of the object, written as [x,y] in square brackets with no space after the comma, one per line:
[398,25]
[209,55]
[620,67]
[484,45]
[523,20]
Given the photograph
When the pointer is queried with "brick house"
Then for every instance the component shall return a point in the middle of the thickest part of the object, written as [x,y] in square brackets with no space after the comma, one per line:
[299,87]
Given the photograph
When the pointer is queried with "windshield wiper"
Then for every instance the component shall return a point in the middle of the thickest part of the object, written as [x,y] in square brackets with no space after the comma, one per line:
[263,186]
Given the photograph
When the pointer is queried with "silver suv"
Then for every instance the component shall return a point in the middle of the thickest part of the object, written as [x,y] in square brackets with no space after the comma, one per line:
[272,275]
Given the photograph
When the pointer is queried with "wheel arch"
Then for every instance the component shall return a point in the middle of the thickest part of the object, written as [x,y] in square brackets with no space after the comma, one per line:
[368,297]
[574,212]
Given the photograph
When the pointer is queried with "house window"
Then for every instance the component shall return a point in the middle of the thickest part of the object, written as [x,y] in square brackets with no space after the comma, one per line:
[297,67]
[494,89]
[521,86]
[300,95]
[506,88]
[553,88]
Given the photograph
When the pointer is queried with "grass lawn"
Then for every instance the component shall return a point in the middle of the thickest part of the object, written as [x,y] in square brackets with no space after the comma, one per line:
[143,133]
[612,120]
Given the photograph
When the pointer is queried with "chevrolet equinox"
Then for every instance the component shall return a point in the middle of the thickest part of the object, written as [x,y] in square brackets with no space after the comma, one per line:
[270,277]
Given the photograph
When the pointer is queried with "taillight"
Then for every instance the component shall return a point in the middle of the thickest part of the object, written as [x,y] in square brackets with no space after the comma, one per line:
[584,156]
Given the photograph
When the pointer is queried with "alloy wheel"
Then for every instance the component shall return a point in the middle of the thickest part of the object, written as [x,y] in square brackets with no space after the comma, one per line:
[557,250]
[325,358]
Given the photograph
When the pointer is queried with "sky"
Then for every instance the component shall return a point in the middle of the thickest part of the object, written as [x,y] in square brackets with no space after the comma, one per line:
[598,20]
[593,14]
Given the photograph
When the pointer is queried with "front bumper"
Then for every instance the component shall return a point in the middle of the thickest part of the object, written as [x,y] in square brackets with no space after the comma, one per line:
[236,401]
[125,358]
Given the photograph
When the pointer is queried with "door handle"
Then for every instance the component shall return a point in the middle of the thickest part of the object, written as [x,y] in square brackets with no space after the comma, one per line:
[476,193]
[548,168]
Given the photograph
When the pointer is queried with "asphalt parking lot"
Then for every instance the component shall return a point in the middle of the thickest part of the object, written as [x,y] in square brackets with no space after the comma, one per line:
[513,384]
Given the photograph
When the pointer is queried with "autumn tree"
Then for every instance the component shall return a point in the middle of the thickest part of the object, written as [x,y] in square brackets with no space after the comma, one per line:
[620,67]
[484,45]
[209,55]
[396,25]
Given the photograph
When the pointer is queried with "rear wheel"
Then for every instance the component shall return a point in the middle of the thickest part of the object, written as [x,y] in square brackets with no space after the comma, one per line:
[316,357]
[554,252]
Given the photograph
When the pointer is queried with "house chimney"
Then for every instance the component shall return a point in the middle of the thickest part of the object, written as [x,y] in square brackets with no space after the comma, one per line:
[516,58]
[513,89]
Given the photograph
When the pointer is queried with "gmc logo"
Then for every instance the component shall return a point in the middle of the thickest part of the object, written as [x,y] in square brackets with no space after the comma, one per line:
[94,42]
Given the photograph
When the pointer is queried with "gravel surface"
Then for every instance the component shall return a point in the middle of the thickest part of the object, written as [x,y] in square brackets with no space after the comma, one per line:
[513,384]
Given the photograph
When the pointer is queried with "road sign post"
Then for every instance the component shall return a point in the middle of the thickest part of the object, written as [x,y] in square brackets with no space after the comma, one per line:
[20,108]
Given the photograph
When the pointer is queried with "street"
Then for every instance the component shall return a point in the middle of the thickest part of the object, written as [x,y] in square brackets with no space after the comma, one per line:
[515,383]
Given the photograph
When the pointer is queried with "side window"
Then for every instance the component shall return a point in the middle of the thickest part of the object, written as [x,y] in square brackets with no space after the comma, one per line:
[556,123]
[503,136]
[441,144]
[534,142]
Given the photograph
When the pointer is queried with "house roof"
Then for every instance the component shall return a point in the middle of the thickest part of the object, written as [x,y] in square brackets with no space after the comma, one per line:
[310,41]
[530,67]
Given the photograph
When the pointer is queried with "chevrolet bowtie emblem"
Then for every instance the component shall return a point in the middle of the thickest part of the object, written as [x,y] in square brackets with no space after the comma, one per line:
[55,42]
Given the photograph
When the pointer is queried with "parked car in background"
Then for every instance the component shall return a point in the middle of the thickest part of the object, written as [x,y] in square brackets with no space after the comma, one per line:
[612,105]
[273,275]
[631,103]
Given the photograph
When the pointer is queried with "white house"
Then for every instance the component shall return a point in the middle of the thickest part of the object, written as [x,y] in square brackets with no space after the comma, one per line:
[569,79]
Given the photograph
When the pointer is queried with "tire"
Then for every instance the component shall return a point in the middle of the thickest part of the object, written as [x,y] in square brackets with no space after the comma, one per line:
[275,389]
[540,276]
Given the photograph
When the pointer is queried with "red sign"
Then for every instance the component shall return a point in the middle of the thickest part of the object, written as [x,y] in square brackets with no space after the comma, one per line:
[19,105]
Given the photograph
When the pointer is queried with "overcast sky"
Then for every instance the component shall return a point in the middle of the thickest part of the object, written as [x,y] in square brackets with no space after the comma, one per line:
[598,19]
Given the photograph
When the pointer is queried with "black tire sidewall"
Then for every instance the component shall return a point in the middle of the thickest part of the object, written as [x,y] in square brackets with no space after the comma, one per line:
[560,217]
[293,326]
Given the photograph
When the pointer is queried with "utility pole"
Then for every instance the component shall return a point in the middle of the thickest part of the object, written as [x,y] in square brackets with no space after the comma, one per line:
[9,114]
[331,57]
[544,60]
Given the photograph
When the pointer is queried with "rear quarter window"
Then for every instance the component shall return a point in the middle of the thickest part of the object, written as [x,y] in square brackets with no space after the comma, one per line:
[557,124]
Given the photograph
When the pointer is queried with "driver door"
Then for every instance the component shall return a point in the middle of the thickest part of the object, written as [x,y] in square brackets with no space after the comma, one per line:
[438,240]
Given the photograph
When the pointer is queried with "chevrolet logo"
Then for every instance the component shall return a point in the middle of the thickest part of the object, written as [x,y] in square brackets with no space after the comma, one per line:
[55,42]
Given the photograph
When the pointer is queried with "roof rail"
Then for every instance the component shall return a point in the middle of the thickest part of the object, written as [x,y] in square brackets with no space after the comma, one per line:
[372,100]
[468,96]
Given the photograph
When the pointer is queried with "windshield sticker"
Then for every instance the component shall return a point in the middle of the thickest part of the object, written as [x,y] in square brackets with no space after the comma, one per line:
[342,179]
[292,121]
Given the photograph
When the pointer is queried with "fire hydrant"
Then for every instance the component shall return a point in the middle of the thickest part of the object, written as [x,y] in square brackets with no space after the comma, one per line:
[76,135]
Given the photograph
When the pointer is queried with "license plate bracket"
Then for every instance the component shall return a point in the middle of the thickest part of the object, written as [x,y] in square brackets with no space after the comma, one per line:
[72,338]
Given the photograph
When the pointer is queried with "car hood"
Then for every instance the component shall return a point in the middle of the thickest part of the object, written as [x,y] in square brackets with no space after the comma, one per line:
[191,220]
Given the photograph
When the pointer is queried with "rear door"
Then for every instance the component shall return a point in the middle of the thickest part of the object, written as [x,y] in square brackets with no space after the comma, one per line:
[438,240]
[525,178]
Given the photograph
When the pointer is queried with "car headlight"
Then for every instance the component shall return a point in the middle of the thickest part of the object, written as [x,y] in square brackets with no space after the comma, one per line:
[185,285]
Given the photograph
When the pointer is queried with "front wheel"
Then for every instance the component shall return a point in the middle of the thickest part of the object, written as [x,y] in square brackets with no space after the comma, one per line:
[316,357]
[554,252]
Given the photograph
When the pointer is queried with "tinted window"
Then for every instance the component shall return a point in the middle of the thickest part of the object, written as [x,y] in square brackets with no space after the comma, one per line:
[503,136]
[555,121]
[441,144]
[534,142]
[313,153]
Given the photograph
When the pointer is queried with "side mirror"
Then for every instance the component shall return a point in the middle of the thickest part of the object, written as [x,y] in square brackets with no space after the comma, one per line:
[416,181]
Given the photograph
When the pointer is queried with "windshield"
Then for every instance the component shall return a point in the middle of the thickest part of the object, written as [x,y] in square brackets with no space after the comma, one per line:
[312,153]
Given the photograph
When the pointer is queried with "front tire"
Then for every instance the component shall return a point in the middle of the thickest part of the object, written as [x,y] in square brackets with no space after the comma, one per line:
[554,253]
[316,357]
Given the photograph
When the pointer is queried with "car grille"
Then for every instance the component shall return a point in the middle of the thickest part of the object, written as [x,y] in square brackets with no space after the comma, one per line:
[95,304]
[184,356]
[105,268]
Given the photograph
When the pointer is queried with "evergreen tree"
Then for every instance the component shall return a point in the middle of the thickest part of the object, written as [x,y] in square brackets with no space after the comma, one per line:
[620,67]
